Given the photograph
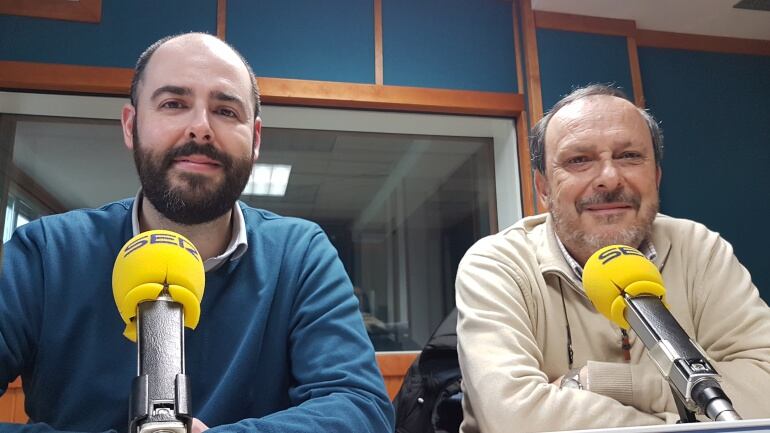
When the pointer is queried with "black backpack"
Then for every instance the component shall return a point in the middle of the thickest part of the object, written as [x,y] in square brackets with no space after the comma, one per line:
[429,400]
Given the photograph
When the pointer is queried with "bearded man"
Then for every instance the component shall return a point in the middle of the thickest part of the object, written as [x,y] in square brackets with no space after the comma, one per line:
[534,353]
[280,345]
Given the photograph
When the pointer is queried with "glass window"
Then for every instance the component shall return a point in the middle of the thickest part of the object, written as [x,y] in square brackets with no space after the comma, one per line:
[401,196]
[400,209]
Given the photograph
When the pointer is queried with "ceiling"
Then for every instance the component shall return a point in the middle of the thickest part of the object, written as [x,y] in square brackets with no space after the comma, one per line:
[702,17]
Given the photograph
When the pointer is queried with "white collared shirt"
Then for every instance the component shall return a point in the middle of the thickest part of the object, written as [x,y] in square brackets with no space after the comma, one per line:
[645,248]
[235,248]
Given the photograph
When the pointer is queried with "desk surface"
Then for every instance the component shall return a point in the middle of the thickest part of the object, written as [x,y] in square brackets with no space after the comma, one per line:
[750,425]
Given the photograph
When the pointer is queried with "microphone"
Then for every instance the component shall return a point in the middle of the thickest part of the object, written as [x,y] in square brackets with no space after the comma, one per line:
[627,288]
[157,282]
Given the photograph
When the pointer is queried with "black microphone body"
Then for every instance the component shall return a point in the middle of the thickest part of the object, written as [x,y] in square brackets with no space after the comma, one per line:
[681,361]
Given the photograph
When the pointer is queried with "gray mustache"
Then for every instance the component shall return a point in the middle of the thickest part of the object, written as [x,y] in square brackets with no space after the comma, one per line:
[618,196]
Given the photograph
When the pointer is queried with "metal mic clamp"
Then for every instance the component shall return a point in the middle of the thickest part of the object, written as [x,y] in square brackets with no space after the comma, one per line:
[160,398]
[694,382]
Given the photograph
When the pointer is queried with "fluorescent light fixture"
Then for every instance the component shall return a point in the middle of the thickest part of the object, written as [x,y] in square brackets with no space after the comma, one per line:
[268,179]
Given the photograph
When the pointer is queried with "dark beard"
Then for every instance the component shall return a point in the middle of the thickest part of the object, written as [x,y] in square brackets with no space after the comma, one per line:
[197,202]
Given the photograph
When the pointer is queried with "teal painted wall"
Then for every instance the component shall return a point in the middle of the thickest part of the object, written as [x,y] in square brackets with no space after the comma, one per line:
[305,39]
[126,29]
[715,112]
[452,44]
[573,59]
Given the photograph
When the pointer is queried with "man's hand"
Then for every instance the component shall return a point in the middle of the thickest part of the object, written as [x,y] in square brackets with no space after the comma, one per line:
[198,426]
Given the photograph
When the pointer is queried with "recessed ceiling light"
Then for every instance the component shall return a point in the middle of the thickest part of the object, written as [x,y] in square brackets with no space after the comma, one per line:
[268,179]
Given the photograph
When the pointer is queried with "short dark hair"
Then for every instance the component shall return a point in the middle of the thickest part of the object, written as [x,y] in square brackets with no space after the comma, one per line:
[144,59]
[537,137]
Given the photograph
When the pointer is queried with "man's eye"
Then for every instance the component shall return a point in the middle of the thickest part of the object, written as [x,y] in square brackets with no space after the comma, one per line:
[172,104]
[631,155]
[227,112]
[577,160]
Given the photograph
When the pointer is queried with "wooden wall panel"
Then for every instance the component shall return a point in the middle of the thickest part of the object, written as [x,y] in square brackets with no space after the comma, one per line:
[393,367]
[12,404]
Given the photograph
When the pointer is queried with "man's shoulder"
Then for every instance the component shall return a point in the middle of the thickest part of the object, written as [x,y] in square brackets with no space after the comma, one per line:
[525,233]
[265,223]
[680,229]
[522,243]
[109,215]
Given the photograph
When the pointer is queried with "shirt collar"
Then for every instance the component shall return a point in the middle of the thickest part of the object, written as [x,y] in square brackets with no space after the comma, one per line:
[646,248]
[235,248]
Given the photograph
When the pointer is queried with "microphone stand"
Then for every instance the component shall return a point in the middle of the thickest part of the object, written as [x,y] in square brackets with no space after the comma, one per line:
[160,394]
[685,415]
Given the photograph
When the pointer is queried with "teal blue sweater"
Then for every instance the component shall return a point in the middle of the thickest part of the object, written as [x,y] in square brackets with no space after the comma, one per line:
[280,346]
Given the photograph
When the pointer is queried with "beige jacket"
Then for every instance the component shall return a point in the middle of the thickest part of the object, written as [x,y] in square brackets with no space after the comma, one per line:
[512,338]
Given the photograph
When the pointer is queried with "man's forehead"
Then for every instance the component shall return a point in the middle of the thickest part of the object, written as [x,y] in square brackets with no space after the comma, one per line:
[593,113]
[595,107]
[202,49]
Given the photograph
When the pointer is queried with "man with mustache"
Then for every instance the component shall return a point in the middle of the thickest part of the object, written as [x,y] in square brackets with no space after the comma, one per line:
[535,354]
[280,346]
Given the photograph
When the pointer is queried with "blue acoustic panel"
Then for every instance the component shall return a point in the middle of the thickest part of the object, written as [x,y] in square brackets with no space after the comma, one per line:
[452,44]
[305,39]
[715,111]
[573,59]
[126,29]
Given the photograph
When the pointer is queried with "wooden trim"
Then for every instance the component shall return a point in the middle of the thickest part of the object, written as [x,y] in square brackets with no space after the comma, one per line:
[221,19]
[718,44]
[378,76]
[584,24]
[34,190]
[650,38]
[393,367]
[636,71]
[116,81]
[529,206]
[399,98]
[65,78]
[85,11]
[534,94]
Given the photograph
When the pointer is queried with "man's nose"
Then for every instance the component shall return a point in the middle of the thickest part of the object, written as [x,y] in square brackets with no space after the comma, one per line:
[199,129]
[609,176]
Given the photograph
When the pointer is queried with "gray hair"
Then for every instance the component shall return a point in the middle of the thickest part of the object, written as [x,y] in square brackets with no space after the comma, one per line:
[537,139]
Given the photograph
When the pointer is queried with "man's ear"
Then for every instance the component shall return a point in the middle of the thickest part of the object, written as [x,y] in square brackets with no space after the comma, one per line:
[127,119]
[658,176]
[257,136]
[541,188]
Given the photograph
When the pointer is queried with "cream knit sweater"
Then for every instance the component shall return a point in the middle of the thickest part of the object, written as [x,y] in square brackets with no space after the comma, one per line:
[512,337]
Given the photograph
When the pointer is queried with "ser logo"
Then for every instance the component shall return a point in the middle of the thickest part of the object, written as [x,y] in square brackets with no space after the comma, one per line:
[613,253]
[161,238]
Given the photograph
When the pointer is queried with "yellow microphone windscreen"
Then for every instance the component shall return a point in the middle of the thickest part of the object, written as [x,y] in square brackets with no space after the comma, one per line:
[615,271]
[151,261]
